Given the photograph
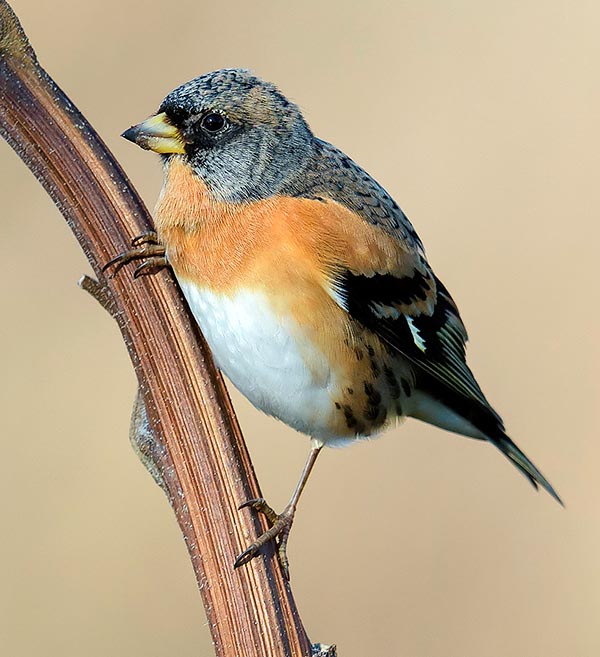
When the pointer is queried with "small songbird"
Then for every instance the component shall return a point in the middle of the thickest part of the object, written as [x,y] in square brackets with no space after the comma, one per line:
[307,280]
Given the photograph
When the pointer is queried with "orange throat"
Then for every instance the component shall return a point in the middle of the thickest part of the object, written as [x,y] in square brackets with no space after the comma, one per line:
[207,240]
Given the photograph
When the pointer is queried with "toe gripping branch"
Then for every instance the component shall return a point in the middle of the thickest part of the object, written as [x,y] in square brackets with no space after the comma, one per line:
[279,530]
[143,247]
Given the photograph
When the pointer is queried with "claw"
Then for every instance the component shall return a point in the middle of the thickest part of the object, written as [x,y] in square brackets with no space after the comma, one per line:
[246,556]
[151,266]
[120,261]
[151,237]
[145,249]
[252,503]
[279,531]
[260,505]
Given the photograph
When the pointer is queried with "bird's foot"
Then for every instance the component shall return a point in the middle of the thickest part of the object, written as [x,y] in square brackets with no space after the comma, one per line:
[143,247]
[149,237]
[279,530]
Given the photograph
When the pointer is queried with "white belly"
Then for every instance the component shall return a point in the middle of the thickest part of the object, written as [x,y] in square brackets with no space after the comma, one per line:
[266,357]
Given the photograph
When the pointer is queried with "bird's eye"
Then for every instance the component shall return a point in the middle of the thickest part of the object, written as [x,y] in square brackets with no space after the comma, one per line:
[213,122]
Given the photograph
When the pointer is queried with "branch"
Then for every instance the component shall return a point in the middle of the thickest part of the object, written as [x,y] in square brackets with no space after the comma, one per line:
[192,436]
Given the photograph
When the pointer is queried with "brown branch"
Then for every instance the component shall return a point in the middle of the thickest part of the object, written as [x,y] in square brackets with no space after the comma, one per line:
[194,441]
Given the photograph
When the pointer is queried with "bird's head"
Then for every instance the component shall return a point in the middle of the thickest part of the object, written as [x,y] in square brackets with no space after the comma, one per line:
[236,131]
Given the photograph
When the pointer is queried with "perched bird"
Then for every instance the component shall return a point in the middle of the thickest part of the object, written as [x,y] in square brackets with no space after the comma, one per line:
[308,281]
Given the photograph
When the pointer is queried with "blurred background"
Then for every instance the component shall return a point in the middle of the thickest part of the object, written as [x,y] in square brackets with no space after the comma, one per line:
[481,119]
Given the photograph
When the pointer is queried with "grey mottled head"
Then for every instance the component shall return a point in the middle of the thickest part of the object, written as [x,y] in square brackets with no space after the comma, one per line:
[238,132]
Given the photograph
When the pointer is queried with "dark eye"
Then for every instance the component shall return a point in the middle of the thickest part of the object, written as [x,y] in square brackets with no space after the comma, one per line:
[213,122]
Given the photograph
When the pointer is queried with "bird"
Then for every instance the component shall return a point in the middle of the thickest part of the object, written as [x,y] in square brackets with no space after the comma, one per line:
[308,281]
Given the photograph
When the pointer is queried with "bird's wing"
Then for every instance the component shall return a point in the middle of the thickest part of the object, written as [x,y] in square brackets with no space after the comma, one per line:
[396,297]
[432,341]
[435,344]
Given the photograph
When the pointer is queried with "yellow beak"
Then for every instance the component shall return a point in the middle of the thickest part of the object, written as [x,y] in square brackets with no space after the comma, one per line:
[156,134]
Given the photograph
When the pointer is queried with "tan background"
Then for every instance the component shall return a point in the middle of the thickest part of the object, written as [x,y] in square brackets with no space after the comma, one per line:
[481,118]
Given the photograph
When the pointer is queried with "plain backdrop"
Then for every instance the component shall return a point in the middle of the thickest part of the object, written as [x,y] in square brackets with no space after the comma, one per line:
[481,119]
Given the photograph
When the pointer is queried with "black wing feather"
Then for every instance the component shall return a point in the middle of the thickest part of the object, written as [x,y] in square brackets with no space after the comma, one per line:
[441,334]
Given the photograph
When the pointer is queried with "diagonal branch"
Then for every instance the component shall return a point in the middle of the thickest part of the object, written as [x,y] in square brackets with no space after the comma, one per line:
[202,459]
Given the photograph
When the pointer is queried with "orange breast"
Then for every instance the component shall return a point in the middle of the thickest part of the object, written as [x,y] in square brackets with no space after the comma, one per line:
[289,248]
[228,244]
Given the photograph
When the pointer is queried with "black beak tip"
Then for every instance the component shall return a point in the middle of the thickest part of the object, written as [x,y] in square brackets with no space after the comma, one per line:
[130,134]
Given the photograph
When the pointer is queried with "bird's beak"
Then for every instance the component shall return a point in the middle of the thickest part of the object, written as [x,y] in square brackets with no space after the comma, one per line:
[156,134]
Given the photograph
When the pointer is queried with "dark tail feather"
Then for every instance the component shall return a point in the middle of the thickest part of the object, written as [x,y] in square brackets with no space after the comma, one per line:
[517,458]
[484,418]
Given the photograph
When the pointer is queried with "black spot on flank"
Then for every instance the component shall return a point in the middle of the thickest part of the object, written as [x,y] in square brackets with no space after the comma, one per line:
[359,354]
[352,422]
[392,381]
[373,395]
[337,405]
[370,351]
[350,391]
[406,387]
[371,413]
[375,368]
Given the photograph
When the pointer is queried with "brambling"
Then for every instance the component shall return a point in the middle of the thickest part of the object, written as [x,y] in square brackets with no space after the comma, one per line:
[307,280]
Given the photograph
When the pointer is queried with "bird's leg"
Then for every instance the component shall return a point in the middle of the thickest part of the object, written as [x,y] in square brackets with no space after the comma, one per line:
[143,247]
[280,523]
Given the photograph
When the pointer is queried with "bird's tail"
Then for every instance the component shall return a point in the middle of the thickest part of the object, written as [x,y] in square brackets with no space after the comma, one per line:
[500,440]
[480,422]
